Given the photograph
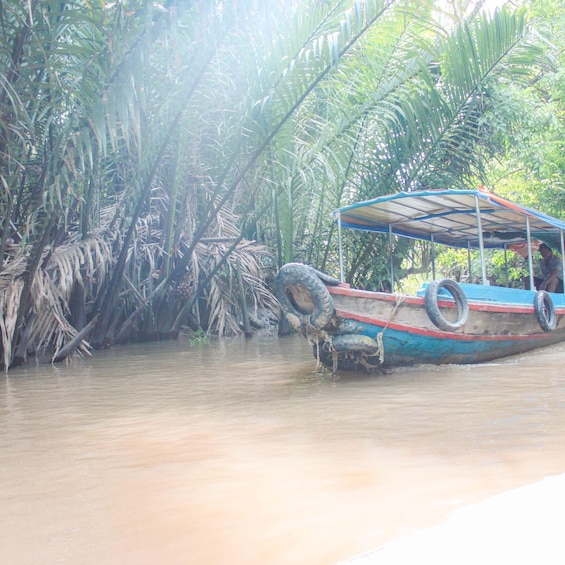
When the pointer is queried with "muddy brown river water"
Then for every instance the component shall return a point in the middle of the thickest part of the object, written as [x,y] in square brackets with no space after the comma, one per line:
[237,452]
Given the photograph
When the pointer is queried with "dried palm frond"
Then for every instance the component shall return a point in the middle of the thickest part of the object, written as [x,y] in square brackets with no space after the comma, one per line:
[51,329]
[79,261]
[9,302]
[224,294]
[86,261]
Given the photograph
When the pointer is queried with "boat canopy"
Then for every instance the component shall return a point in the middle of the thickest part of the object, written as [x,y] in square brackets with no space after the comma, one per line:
[459,218]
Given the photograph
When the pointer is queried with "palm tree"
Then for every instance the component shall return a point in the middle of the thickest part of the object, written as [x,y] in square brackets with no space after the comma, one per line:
[93,98]
[144,145]
[49,59]
[407,112]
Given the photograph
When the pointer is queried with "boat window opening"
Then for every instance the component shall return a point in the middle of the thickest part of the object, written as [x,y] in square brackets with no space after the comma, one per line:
[478,221]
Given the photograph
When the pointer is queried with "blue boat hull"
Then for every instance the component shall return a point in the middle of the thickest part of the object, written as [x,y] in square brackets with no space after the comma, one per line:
[404,346]
[446,323]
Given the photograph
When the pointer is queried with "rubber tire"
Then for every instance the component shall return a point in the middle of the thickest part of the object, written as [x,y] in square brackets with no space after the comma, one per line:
[355,342]
[432,308]
[350,365]
[545,311]
[305,277]
[328,280]
[325,357]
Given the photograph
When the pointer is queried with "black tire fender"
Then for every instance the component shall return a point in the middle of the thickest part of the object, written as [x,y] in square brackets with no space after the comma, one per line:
[328,280]
[545,311]
[303,296]
[355,342]
[432,308]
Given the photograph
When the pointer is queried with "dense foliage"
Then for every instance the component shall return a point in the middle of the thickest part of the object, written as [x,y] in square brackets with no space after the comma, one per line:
[159,160]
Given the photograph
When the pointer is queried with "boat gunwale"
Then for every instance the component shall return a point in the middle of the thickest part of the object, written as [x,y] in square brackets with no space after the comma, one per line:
[474,304]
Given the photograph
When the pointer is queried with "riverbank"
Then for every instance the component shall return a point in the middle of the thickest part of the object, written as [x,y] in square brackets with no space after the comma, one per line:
[523,526]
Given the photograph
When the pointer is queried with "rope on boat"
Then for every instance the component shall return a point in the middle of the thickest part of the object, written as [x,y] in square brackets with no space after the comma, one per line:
[380,346]
[315,337]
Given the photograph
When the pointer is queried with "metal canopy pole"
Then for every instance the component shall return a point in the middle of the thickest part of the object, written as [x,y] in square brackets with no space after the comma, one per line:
[433,250]
[390,256]
[530,262]
[562,257]
[506,274]
[340,246]
[469,264]
[481,243]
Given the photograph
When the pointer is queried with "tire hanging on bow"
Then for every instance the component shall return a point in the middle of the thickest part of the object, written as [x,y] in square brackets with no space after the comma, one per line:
[304,298]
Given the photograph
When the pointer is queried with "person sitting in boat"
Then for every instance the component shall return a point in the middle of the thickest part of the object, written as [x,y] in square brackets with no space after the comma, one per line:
[550,269]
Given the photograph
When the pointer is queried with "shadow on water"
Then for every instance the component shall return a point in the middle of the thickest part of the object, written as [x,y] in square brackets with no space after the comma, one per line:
[240,452]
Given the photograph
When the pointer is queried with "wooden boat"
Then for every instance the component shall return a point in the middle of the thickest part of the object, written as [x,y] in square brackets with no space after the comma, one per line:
[446,321]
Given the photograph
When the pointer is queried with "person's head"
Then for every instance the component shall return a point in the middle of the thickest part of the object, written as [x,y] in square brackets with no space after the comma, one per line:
[545,250]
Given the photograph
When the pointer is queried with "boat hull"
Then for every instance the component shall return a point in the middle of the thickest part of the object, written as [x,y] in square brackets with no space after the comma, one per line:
[499,322]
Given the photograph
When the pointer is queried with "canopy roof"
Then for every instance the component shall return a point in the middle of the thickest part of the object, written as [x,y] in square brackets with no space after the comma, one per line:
[450,217]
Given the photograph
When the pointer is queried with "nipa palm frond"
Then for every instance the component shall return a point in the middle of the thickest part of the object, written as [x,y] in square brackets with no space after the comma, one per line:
[9,302]
[85,262]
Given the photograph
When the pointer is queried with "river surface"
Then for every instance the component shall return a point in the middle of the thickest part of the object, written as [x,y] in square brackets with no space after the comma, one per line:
[237,452]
